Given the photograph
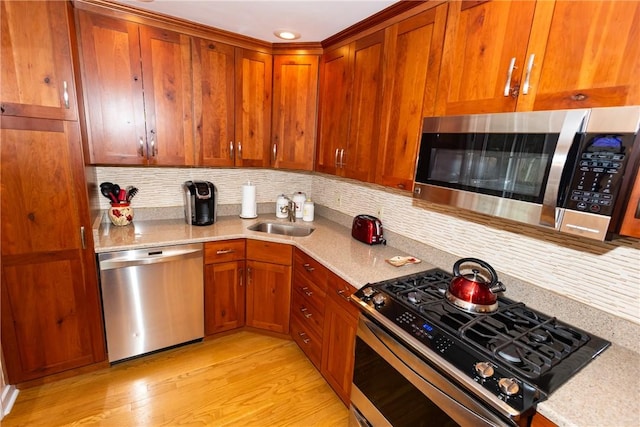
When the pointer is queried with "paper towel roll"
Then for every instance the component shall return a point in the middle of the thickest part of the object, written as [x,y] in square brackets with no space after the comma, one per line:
[249,207]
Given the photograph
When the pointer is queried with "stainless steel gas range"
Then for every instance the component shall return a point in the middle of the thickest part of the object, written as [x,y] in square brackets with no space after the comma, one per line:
[422,361]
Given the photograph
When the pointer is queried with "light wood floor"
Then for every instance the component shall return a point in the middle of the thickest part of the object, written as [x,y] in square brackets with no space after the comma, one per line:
[244,379]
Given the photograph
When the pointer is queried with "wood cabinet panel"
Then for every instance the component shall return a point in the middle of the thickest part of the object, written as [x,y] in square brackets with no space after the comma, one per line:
[36,73]
[482,39]
[224,296]
[307,268]
[295,101]
[137,91]
[277,253]
[586,55]
[309,311]
[168,100]
[253,108]
[630,225]
[333,111]
[214,102]
[224,251]
[268,296]
[51,315]
[307,340]
[413,51]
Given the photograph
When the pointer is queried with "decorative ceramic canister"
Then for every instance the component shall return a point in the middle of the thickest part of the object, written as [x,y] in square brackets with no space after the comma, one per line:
[120,214]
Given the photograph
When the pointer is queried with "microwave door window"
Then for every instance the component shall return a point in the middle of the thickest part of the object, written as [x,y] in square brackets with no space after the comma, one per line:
[445,165]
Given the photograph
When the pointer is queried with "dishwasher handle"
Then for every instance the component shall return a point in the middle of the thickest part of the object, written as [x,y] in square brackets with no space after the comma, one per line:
[151,256]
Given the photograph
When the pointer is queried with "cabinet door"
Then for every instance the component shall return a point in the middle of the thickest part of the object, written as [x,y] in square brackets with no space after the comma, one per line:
[224,297]
[358,159]
[168,99]
[414,53]
[630,225]
[51,316]
[253,108]
[484,55]
[112,89]
[338,345]
[37,75]
[268,296]
[214,102]
[295,96]
[588,56]
[333,114]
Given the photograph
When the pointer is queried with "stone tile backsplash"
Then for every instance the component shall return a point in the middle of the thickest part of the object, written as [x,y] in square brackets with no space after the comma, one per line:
[604,275]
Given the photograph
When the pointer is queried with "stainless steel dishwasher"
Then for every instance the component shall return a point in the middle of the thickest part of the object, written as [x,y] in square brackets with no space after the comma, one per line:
[152,298]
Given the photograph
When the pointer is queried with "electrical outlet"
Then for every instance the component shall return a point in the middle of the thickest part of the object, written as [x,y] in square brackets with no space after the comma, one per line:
[338,200]
[380,212]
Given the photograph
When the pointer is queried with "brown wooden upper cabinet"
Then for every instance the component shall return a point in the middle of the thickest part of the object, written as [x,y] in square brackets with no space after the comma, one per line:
[138,92]
[413,51]
[232,104]
[349,114]
[630,225]
[538,55]
[295,103]
[37,73]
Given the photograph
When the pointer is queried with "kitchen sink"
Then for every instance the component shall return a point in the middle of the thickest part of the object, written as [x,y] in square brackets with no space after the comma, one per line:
[280,228]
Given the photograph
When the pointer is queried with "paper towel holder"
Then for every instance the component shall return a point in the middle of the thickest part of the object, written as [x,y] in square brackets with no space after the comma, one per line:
[249,208]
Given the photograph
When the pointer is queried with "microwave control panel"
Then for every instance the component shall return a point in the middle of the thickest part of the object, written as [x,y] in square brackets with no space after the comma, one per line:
[598,173]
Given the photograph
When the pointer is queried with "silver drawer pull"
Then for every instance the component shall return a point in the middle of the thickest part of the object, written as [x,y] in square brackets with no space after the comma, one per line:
[303,335]
[527,79]
[507,86]
[308,267]
[305,312]
[341,293]
[306,291]
[225,251]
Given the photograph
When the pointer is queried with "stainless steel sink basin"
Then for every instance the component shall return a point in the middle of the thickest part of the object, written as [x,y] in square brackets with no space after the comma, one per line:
[280,228]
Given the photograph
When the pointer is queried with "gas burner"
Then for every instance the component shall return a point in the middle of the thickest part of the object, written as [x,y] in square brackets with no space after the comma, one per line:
[511,354]
[539,335]
[413,297]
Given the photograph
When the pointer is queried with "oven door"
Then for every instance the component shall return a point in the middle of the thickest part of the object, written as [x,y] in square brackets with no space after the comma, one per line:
[394,387]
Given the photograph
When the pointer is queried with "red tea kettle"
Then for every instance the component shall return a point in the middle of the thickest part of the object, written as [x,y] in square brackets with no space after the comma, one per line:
[473,292]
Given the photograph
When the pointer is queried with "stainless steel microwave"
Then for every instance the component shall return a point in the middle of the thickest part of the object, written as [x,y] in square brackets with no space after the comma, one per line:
[560,169]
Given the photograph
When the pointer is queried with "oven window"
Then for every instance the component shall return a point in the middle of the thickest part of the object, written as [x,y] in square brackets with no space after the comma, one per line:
[396,398]
[513,166]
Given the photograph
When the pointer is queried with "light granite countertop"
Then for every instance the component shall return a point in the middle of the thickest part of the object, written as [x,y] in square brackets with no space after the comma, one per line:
[605,393]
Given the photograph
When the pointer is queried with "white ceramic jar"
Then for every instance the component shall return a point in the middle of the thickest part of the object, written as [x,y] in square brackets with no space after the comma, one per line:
[298,200]
[281,203]
[308,210]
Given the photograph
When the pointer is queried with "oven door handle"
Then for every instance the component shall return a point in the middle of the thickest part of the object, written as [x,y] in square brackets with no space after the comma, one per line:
[574,122]
[443,392]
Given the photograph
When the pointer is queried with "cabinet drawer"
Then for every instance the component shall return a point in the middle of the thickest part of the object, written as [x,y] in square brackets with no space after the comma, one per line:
[305,266]
[311,293]
[275,253]
[307,340]
[224,251]
[309,314]
[340,291]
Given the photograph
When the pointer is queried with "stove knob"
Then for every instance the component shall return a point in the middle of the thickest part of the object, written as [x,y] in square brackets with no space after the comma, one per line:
[484,369]
[368,291]
[378,299]
[508,386]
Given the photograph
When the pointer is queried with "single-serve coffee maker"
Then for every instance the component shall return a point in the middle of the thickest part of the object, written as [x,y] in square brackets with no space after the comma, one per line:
[200,202]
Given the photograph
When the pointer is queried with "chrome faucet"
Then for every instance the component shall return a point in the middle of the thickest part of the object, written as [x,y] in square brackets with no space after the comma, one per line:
[289,209]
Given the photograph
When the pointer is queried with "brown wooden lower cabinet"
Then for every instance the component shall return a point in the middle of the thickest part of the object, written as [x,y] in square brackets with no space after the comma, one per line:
[540,420]
[268,285]
[224,286]
[324,321]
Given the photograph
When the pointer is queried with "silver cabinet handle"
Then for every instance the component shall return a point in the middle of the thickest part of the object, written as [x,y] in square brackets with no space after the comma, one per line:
[527,78]
[241,272]
[306,291]
[308,267]
[335,162]
[141,147]
[275,151]
[231,150]
[154,151]
[239,150]
[303,335]
[83,238]
[225,251]
[507,86]
[65,94]
[341,294]
[342,158]
[305,312]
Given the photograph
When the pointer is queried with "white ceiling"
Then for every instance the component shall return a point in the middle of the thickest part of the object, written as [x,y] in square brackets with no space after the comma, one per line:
[315,20]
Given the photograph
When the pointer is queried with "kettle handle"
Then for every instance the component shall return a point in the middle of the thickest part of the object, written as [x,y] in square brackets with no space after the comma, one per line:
[492,272]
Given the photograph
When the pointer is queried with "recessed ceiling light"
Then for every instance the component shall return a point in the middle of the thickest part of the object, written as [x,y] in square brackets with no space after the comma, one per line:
[286,34]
